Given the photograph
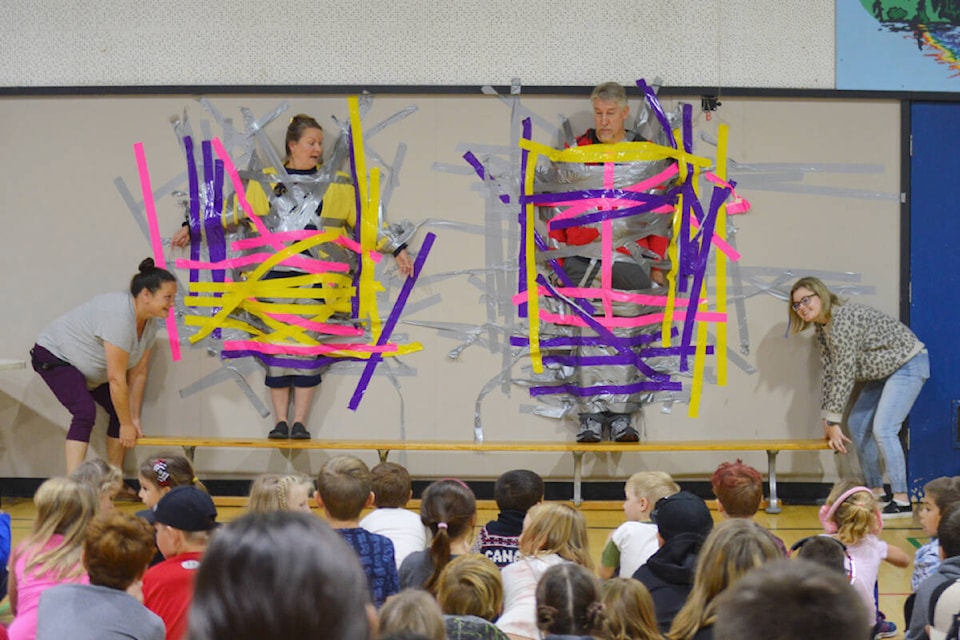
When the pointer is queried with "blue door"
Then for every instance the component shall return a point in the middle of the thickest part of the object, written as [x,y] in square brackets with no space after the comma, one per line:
[935,287]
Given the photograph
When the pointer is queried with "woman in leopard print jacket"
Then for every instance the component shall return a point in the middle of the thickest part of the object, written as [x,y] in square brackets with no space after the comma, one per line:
[859,344]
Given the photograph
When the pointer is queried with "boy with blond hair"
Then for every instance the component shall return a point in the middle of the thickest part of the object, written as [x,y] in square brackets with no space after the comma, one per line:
[344,490]
[630,544]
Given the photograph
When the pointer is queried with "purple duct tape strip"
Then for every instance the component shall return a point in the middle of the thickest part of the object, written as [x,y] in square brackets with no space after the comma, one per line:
[600,361]
[392,320]
[611,340]
[611,194]
[560,273]
[277,361]
[194,187]
[706,237]
[210,212]
[478,167]
[657,109]
[522,258]
[355,301]
[580,341]
[611,214]
[688,127]
[580,392]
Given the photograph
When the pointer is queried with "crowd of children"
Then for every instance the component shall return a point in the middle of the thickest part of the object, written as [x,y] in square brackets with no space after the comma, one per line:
[669,572]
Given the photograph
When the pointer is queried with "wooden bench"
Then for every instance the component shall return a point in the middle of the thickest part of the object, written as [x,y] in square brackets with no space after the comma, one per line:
[383,449]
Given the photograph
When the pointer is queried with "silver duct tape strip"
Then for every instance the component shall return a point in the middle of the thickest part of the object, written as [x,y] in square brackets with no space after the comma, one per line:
[437,223]
[369,133]
[494,382]
[421,305]
[227,373]
[535,118]
[739,303]
[456,169]
[834,192]
[386,194]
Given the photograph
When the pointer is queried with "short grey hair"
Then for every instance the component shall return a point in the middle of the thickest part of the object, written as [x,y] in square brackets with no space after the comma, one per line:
[610,91]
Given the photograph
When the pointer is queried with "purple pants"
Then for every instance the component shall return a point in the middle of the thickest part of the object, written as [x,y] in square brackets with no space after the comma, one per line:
[70,387]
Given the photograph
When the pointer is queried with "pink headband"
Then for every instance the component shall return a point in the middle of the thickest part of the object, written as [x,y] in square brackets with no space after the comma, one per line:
[826,513]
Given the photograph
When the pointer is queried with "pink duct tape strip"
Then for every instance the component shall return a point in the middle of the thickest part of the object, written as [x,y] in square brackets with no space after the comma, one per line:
[737,204]
[606,245]
[295,236]
[319,327]
[579,206]
[150,210]
[613,294]
[301,262]
[718,242]
[289,349]
[638,321]
[231,170]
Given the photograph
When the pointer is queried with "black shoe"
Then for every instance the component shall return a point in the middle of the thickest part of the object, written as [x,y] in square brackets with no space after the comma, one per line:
[896,509]
[299,432]
[280,432]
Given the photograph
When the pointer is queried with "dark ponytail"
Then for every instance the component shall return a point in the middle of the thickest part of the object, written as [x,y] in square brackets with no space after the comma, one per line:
[150,277]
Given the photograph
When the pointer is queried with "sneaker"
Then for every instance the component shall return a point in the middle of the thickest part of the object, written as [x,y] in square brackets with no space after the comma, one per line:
[621,431]
[299,432]
[896,509]
[591,429]
[280,432]
[884,628]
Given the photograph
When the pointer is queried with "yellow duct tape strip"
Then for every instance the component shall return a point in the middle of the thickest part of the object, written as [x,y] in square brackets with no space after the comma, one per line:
[368,220]
[530,251]
[696,390]
[619,152]
[232,300]
[723,132]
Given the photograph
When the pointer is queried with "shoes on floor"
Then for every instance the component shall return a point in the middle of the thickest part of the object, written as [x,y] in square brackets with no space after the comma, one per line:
[299,432]
[280,432]
[896,509]
[884,628]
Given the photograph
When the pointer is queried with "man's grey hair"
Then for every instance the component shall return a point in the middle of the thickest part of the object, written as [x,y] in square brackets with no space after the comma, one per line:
[613,91]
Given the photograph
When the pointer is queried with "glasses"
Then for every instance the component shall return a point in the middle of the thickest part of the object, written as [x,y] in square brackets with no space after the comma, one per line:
[803,302]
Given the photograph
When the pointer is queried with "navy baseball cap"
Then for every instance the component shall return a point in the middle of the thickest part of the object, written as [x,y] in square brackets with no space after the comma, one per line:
[186,508]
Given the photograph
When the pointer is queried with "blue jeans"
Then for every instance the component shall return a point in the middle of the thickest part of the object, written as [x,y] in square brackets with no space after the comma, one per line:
[877,416]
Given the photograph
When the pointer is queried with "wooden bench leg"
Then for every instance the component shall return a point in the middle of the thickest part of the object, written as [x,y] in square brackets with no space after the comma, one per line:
[577,477]
[383,453]
[773,506]
[190,452]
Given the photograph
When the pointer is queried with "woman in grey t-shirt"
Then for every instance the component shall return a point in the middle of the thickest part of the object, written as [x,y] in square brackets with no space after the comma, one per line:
[98,354]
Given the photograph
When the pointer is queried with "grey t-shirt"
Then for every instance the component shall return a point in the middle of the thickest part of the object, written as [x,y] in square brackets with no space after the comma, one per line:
[91,612]
[78,335]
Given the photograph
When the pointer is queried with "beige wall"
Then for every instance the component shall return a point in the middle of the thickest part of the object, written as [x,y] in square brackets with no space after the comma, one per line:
[68,236]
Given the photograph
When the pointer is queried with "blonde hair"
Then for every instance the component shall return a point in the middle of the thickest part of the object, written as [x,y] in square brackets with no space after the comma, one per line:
[102,477]
[64,507]
[555,527]
[651,485]
[412,610]
[271,491]
[855,517]
[629,611]
[470,585]
[827,301]
[733,548]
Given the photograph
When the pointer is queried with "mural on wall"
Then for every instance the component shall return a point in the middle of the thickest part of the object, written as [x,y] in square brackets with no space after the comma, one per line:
[898,45]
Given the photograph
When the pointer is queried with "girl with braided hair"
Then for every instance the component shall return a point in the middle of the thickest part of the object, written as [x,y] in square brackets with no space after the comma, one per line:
[280,492]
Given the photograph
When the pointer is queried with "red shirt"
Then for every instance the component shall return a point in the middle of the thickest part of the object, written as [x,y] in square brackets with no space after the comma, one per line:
[579,236]
[168,591]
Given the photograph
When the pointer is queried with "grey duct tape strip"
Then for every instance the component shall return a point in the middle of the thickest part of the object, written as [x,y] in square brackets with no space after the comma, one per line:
[397,117]
[494,382]
[746,183]
[386,194]
[413,308]
[456,169]
[535,118]
[222,375]
[736,285]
